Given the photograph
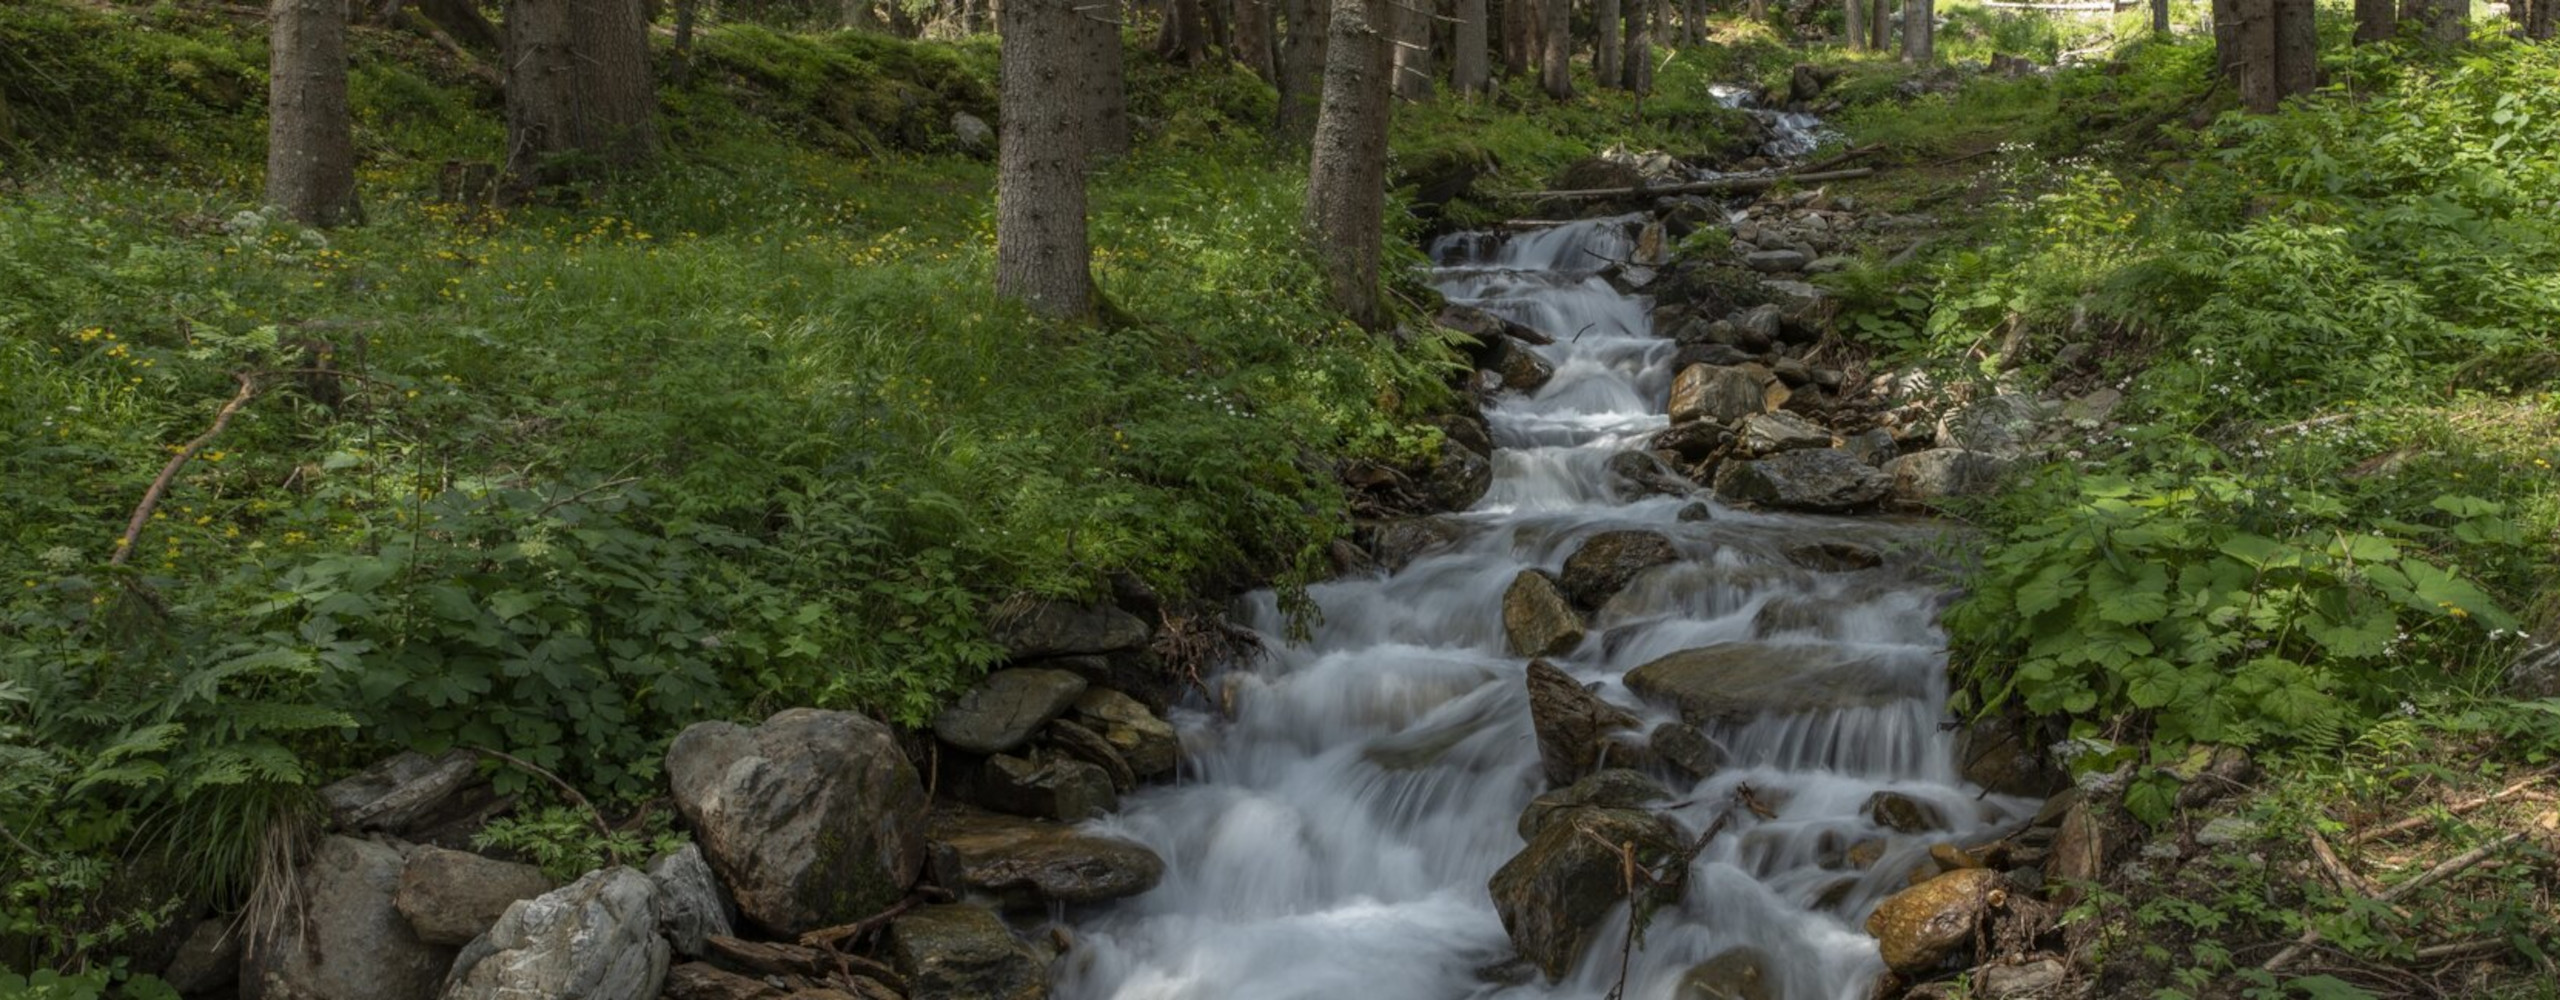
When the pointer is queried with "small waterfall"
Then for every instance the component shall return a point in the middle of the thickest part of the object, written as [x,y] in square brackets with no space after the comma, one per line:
[1792,134]
[1333,839]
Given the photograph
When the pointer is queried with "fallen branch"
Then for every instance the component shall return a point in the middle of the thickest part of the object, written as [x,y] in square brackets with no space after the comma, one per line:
[2451,867]
[2409,823]
[603,826]
[249,389]
[835,937]
[1760,182]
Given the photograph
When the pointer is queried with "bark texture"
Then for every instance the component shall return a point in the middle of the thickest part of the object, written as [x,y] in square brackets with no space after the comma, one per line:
[2447,22]
[1414,73]
[1519,37]
[1100,78]
[1470,50]
[2376,20]
[2254,39]
[2226,38]
[1301,68]
[1854,25]
[1555,42]
[311,147]
[2297,48]
[1637,74]
[1607,51]
[1184,39]
[1880,25]
[462,20]
[1347,175]
[2538,21]
[1042,258]
[1253,37]
[2160,17]
[579,96]
[1919,31]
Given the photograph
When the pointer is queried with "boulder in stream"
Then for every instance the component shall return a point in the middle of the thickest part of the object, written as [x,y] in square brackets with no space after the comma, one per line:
[1739,681]
[1046,785]
[1734,974]
[1003,711]
[1573,725]
[1609,788]
[1147,742]
[1607,561]
[1922,926]
[1536,618]
[1557,893]
[1814,479]
[1044,628]
[812,819]
[1926,477]
[1029,863]
[1718,393]
[962,952]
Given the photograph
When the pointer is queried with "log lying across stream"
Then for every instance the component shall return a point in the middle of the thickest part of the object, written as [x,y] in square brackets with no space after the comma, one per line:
[1758,183]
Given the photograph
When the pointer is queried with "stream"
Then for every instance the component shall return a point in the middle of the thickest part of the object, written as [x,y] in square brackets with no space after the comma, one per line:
[1332,840]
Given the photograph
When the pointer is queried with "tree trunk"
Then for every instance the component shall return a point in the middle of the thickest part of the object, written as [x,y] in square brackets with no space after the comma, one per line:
[2160,17]
[311,146]
[1347,175]
[1470,72]
[579,97]
[684,39]
[2448,22]
[1301,68]
[2255,35]
[2538,22]
[1253,37]
[1042,258]
[2376,21]
[1519,37]
[1637,74]
[1412,57]
[1106,98]
[1855,25]
[1184,39]
[1880,26]
[1607,45]
[1555,40]
[462,19]
[1919,31]
[2226,38]
[2297,48]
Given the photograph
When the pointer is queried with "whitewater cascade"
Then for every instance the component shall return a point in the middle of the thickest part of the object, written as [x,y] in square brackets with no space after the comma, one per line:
[1333,839]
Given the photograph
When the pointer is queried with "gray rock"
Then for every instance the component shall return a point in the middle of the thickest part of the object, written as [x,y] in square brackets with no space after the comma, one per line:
[411,793]
[1695,441]
[1459,478]
[1797,295]
[1046,786]
[1764,323]
[1874,446]
[1696,512]
[1061,628]
[207,961]
[1904,814]
[594,939]
[1520,368]
[1720,354]
[1536,618]
[1606,562]
[1776,261]
[812,819]
[1572,724]
[1074,739]
[1736,681]
[1743,973]
[1023,863]
[692,908]
[450,897]
[972,133]
[352,941]
[1147,742]
[1771,433]
[1940,473]
[1834,557]
[2224,831]
[2535,674]
[1398,543]
[1558,892]
[2001,752]
[1815,479]
[1718,394]
[2001,426]
[2041,979]
[1827,265]
[1636,475]
[963,952]
[1612,788]
[1002,712]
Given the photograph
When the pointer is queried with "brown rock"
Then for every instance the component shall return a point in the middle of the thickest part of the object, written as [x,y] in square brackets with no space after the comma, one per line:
[1572,724]
[1536,618]
[450,897]
[2079,853]
[1922,926]
[1715,393]
[1607,561]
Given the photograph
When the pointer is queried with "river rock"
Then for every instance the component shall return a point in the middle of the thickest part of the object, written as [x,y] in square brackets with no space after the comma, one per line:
[1834,556]
[692,908]
[1925,477]
[450,897]
[1607,561]
[1721,394]
[1536,618]
[2535,673]
[1459,477]
[1045,628]
[1874,446]
[812,819]
[1398,543]
[2037,980]
[1734,974]
[1002,712]
[2001,426]
[1695,441]
[2079,853]
[1075,740]
[595,939]
[962,952]
[1776,261]
[1904,814]
[1815,479]
[1046,786]
[1737,681]
[1028,863]
[1922,926]
[1635,475]
[1771,433]
[1686,750]
[2000,752]
[1710,353]
[1146,741]
[414,796]
[1560,889]
[352,941]
[1572,724]
[1608,788]
[1521,369]
[207,961]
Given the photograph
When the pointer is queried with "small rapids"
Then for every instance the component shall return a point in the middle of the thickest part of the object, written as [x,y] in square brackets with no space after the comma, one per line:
[1791,133]
[1333,839]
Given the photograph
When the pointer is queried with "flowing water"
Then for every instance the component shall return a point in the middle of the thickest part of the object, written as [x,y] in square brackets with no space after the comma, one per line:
[1333,839]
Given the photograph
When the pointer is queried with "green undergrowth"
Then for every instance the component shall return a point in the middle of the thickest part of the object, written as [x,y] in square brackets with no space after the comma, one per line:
[2329,486]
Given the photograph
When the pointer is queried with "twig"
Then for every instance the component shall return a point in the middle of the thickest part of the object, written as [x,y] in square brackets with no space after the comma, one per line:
[830,937]
[2460,948]
[2347,879]
[2407,824]
[585,493]
[249,389]
[602,825]
[2451,867]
